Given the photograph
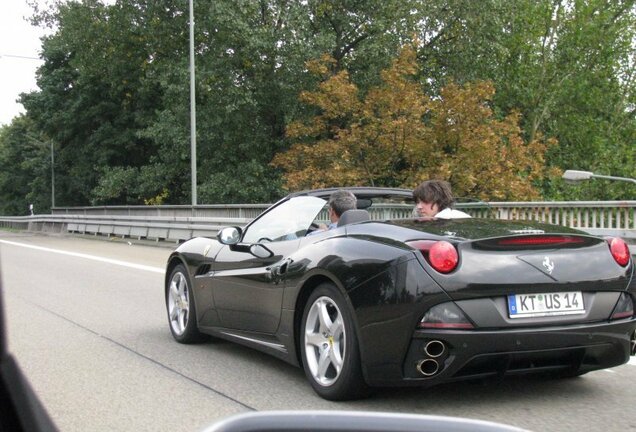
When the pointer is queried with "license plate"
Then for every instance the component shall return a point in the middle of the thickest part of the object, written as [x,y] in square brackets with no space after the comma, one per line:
[546,304]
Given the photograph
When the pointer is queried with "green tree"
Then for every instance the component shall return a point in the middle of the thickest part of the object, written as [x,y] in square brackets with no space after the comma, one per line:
[93,96]
[567,66]
[114,87]
[26,175]
[395,135]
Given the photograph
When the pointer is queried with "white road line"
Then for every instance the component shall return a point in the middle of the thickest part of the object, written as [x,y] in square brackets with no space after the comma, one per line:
[632,361]
[85,256]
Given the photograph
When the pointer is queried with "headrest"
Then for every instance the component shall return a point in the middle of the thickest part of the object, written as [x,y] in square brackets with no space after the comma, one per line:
[353,216]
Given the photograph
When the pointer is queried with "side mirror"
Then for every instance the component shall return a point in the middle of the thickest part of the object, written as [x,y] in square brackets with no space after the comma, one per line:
[261,251]
[229,235]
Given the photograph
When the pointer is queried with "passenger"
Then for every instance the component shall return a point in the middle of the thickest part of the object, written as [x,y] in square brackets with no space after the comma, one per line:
[339,202]
[433,198]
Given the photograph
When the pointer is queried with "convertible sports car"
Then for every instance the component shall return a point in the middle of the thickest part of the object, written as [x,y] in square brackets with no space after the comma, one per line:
[388,299]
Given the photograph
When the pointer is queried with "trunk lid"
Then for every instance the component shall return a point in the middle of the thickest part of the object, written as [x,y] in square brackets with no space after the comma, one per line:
[500,258]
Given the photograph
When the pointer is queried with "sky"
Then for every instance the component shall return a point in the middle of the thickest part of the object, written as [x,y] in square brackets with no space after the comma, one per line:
[18,39]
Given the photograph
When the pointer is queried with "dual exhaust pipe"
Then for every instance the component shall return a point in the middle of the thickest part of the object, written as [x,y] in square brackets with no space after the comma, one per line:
[431,365]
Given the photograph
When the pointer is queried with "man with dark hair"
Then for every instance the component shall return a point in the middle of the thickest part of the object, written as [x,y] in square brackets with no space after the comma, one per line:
[339,202]
[434,198]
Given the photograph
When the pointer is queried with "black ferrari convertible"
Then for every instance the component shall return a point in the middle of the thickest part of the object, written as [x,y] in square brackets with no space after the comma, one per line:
[388,299]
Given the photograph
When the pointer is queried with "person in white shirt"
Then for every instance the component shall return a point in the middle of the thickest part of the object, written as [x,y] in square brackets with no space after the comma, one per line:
[434,198]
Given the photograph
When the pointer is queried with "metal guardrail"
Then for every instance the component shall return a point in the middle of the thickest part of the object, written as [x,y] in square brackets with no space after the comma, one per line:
[238,211]
[179,223]
[158,228]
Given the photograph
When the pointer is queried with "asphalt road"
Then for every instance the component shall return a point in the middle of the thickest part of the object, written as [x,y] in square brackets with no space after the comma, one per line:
[87,323]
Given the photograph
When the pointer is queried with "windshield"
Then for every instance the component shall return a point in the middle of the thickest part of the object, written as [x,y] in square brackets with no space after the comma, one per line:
[287,221]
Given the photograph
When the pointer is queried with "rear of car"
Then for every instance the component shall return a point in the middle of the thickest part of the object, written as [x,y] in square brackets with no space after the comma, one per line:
[483,298]
[530,302]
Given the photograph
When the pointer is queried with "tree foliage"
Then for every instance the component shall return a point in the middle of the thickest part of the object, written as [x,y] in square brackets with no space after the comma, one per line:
[26,175]
[113,97]
[396,135]
[566,66]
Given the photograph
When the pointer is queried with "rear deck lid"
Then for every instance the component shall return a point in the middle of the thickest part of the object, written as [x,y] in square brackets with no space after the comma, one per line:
[533,263]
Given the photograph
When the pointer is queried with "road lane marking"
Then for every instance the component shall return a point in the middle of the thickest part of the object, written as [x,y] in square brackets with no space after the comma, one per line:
[632,361]
[86,256]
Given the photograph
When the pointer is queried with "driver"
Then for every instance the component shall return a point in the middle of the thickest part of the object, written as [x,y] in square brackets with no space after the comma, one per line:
[339,202]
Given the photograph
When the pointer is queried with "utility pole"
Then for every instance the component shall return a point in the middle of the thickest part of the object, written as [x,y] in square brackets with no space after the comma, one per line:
[193,115]
[52,178]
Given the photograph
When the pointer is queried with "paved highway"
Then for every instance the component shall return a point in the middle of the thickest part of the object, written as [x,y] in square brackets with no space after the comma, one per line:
[86,321]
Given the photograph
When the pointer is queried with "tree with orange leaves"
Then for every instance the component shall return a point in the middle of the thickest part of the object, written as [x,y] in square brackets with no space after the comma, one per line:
[396,135]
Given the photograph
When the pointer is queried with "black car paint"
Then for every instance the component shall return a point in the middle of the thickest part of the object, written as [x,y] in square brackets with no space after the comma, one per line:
[247,290]
[390,286]
[514,352]
[304,272]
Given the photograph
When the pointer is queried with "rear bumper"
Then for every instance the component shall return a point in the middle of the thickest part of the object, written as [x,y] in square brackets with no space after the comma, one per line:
[568,350]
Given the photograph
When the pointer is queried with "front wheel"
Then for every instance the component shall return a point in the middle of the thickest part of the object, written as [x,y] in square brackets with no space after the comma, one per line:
[181,308]
[329,346]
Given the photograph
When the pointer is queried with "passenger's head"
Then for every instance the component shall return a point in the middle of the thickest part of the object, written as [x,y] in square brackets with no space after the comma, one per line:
[339,202]
[432,196]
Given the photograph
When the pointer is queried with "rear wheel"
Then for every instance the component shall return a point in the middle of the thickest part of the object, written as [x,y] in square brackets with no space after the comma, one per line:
[329,346]
[181,308]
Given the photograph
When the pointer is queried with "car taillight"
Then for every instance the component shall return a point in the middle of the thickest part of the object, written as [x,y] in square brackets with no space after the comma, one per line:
[624,307]
[441,255]
[445,316]
[619,250]
[541,240]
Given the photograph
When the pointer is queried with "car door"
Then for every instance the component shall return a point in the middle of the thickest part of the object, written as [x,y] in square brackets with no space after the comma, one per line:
[248,289]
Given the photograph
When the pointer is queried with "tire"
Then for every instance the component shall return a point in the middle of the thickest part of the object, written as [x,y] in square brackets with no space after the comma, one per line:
[181,308]
[329,346]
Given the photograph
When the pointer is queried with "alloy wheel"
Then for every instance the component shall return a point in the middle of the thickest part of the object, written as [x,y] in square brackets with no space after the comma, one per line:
[178,303]
[325,341]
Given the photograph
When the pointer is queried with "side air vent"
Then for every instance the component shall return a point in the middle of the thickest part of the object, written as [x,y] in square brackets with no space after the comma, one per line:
[205,268]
